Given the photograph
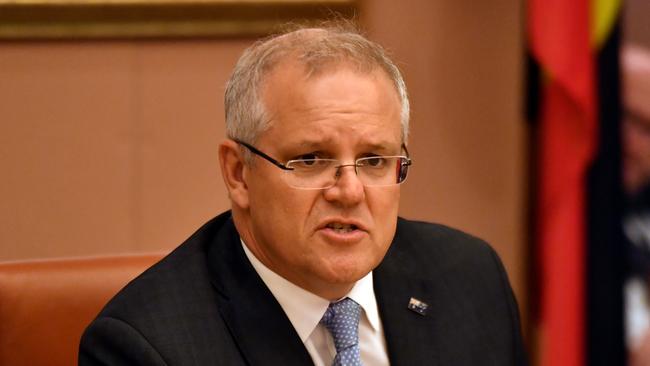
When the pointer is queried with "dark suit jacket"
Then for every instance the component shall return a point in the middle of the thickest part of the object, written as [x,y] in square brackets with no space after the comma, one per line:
[204,304]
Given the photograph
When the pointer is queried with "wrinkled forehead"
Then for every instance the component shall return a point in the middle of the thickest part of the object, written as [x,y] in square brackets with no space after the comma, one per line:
[636,80]
[304,75]
[353,90]
[312,108]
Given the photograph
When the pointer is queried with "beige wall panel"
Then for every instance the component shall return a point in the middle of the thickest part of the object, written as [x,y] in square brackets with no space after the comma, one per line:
[182,123]
[109,147]
[64,146]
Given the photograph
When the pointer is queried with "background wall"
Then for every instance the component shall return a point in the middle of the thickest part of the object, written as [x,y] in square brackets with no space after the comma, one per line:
[111,146]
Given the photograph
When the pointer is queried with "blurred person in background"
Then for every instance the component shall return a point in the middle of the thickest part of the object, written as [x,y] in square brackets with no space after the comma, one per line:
[635,64]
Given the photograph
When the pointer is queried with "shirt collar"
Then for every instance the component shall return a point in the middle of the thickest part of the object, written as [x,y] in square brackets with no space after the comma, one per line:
[305,309]
[364,294]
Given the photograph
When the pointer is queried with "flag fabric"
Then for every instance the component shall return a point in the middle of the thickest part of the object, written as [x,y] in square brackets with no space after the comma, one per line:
[572,129]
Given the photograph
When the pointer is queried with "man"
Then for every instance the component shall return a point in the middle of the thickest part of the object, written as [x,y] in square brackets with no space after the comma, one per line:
[635,62]
[312,265]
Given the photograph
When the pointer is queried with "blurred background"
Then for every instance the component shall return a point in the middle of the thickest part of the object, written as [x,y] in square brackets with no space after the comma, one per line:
[110,119]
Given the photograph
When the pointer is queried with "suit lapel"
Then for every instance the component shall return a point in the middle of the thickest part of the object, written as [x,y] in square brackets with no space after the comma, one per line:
[410,336]
[265,336]
[259,326]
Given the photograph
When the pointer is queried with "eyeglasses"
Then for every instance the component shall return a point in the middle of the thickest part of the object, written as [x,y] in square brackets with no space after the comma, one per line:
[373,171]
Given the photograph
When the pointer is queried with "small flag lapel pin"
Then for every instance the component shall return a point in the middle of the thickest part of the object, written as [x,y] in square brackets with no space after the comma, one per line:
[418,306]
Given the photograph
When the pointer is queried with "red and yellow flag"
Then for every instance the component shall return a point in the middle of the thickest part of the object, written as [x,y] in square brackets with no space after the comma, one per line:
[564,36]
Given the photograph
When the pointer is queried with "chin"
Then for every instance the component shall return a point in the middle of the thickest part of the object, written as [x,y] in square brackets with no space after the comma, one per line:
[347,272]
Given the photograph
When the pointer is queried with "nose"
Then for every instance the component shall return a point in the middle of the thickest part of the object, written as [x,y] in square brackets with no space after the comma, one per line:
[348,190]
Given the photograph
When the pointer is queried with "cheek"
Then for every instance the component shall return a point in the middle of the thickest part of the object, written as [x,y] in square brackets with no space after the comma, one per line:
[383,200]
[281,207]
[383,203]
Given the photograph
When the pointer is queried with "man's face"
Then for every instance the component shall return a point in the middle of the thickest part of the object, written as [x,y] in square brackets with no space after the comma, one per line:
[636,152]
[339,114]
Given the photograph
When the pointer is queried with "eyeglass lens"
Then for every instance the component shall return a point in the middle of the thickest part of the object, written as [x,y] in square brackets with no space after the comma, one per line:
[323,173]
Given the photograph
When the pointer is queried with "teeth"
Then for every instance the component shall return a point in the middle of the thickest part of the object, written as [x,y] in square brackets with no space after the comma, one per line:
[343,228]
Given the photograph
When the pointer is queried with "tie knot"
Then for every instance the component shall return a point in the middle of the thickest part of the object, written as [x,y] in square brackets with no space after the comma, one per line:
[342,320]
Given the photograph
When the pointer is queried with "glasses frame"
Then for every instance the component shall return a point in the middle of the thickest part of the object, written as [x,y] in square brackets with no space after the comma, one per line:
[278,164]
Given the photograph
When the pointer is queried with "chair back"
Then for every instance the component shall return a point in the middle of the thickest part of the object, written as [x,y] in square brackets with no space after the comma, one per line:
[45,305]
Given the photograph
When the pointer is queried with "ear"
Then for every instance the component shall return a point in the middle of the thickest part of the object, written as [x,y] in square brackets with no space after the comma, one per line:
[233,171]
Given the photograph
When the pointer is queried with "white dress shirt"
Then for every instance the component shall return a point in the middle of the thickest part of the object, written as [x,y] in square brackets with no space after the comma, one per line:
[305,311]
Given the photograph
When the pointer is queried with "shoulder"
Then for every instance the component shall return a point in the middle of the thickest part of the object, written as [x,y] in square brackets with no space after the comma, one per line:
[427,231]
[466,286]
[182,272]
[167,310]
[445,245]
[450,259]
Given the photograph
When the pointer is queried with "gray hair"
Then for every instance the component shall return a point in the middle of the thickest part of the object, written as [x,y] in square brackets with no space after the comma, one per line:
[313,47]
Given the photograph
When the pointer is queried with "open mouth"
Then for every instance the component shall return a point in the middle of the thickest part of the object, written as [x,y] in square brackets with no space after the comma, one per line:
[341,228]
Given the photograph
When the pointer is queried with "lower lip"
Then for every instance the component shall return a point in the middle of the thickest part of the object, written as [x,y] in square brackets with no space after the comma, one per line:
[347,237]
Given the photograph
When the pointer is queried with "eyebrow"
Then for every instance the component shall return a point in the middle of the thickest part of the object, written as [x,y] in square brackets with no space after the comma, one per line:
[384,147]
[312,144]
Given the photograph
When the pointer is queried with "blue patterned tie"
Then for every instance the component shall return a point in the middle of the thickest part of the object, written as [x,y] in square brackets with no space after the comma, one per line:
[342,320]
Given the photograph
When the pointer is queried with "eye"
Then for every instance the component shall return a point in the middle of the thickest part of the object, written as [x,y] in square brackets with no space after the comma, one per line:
[374,161]
[309,159]
[309,156]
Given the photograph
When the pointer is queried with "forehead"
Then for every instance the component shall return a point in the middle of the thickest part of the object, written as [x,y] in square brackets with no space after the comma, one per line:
[303,72]
[636,80]
[339,99]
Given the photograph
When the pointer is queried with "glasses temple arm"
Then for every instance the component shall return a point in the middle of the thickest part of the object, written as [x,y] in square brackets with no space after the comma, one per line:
[263,155]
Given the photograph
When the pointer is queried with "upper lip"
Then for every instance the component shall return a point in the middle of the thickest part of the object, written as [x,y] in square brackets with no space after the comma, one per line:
[358,224]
